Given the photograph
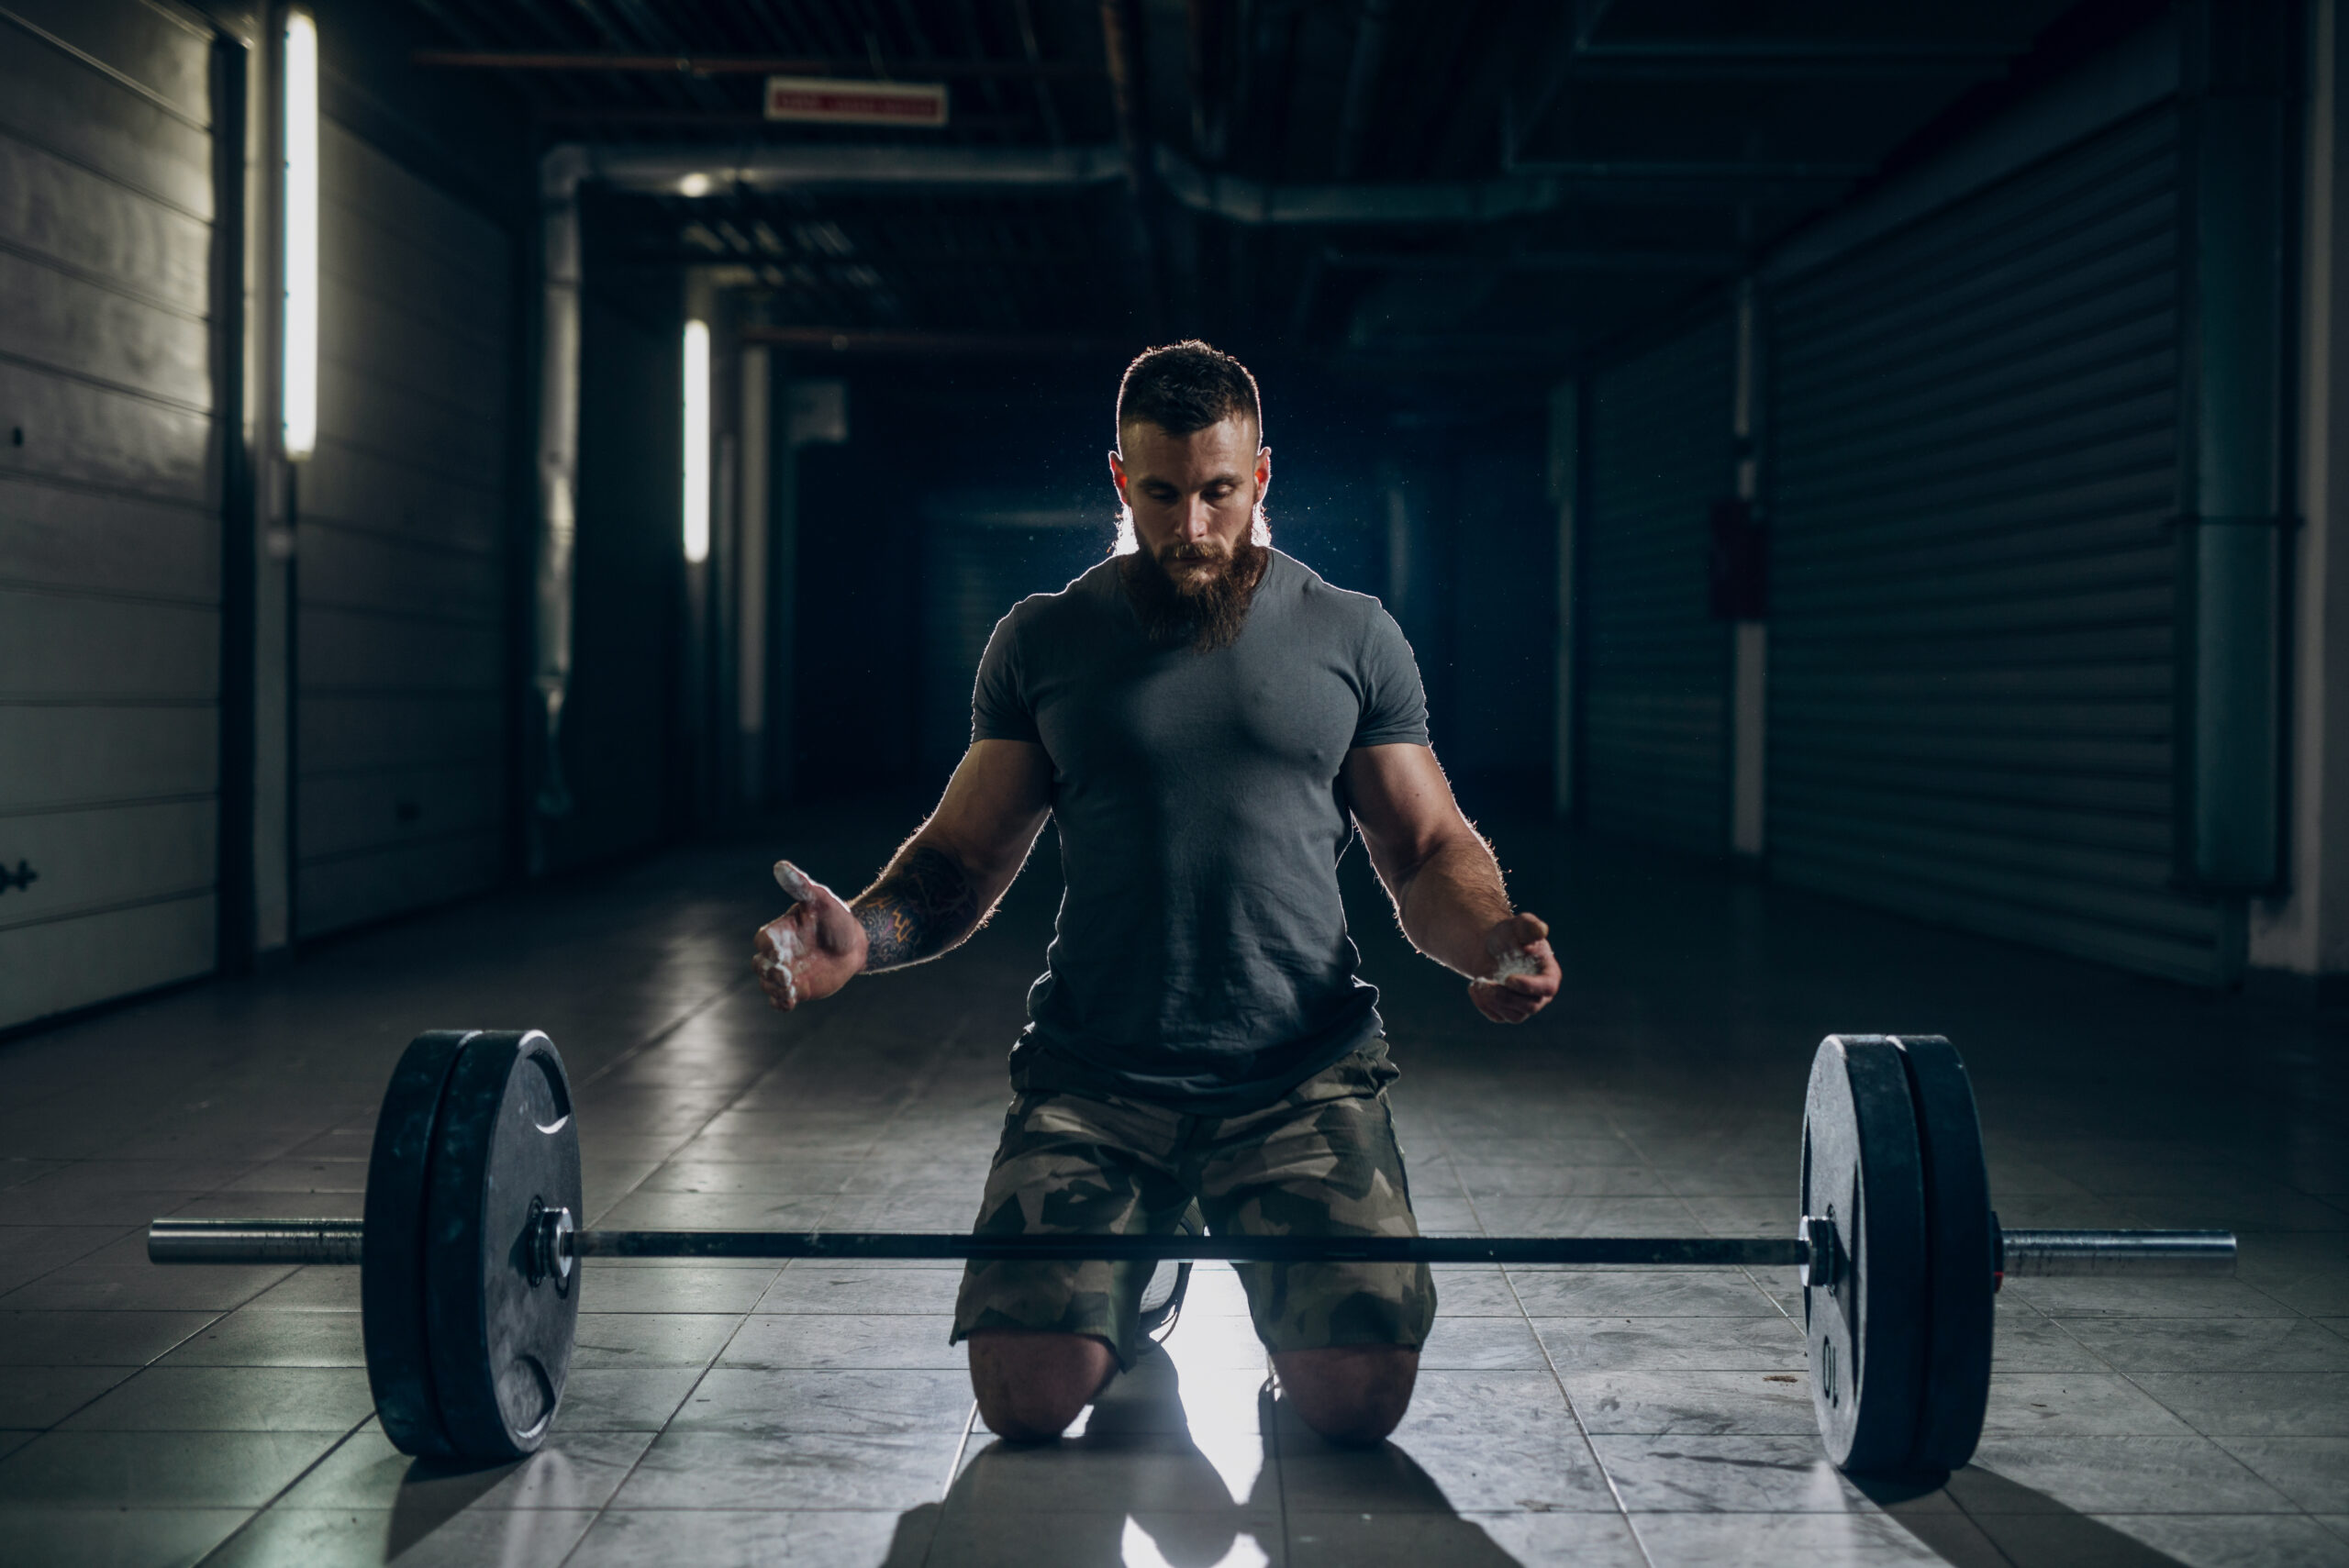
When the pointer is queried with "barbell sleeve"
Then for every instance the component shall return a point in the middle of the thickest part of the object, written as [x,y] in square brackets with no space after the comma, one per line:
[2029,1254]
[254,1242]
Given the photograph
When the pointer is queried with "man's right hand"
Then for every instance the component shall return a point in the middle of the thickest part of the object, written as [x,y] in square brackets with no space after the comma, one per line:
[812,949]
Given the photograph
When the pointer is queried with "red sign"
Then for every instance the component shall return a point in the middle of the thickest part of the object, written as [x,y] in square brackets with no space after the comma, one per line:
[855,103]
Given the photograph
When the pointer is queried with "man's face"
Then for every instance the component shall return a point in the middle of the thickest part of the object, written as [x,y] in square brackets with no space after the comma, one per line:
[1192,497]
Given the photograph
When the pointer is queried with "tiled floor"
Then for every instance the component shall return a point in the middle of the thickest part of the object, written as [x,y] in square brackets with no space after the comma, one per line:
[815,1415]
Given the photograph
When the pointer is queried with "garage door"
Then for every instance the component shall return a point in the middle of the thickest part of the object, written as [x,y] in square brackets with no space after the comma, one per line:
[400,731]
[1655,759]
[1974,463]
[110,543]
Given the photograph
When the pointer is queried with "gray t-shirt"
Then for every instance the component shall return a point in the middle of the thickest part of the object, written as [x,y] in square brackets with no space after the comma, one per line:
[1201,957]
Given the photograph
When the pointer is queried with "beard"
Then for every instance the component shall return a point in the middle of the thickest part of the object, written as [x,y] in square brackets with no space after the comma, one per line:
[1193,595]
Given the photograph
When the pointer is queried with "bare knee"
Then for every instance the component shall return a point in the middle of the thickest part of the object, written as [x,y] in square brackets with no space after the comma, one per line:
[1030,1385]
[1352,1394]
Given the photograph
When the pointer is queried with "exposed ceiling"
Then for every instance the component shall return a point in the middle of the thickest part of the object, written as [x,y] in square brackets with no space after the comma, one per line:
[1482,187]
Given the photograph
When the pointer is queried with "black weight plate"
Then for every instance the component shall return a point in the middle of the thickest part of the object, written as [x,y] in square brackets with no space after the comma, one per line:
[1958,1255]
[1865,1326]
[391,1271]
[506,1147]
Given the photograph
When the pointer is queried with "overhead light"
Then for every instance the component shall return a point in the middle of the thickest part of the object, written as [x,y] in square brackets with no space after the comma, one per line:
[300,227]
[694,185]
[696,402]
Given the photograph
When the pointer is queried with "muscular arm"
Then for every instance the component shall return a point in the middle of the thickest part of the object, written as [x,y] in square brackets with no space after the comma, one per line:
[937,889]
[945,880]
[1447,888]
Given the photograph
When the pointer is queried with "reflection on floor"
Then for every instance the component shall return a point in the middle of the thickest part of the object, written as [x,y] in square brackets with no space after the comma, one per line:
[816,1415]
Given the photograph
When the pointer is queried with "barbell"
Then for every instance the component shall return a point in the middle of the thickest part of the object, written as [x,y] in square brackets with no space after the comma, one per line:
[469,1287]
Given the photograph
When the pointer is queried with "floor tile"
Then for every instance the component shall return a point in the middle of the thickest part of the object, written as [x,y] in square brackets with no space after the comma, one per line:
[745,1539]
[1469,1540]
[623,1399]
[346,1537]
[316,1289]
[2256,1404]
[154,1469]
[2211,1344]
[1645,1294]
[805,1469]
[1771,1540]
[1477,1344]
[231,1398]
[40,1537]
[825,1288]
[1718,1403]
[652,1339]
[1132,1472]
[1662,1344]
[678,1287]
[808,1340]
[575,1470]
[149,1287]
[2228,1540]
[93,1338]
[1785,1474]
[2075,1403]
[2312,1472]
[2112,1474]
[252,1337]
[779,1403]
[44,1395]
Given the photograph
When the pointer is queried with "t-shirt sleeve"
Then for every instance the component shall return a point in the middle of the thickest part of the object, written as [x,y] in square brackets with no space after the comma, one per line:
[1393,703]
[999,706]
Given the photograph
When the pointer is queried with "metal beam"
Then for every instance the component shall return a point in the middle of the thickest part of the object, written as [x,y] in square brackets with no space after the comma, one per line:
[1529,190]
[752,65]
[1773,59]
[862,340]
[1694,263]
[697,171]
[1361,83]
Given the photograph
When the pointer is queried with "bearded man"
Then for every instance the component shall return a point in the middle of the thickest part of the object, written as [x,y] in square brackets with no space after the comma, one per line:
[1209,723]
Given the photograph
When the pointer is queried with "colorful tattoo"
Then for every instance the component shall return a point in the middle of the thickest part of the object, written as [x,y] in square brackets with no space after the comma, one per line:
[920,907]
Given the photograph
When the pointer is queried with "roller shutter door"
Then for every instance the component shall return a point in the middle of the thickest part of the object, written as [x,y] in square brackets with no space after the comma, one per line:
[400,729]
[1973,460]
[978,561]
[110,542]
[1655,759]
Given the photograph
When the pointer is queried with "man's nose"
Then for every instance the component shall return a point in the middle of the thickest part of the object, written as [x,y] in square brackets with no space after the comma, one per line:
[1196,513]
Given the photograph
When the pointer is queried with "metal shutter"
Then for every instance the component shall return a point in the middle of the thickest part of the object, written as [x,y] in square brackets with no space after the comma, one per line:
[1656,731]
[110,542]
[1973,584]
[980,558]
[400,728]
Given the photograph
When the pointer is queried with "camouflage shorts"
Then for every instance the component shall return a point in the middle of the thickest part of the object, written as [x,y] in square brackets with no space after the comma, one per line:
[1321,1162]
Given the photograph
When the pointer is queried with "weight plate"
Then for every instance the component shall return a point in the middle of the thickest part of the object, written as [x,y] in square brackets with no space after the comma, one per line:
[501,1330]
[391,1271]
[1864,1308]
[1958,1262]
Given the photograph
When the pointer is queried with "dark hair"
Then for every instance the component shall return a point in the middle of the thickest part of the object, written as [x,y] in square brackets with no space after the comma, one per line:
[1187,387]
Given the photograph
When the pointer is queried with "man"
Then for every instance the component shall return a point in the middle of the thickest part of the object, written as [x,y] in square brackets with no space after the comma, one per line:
[1209,722]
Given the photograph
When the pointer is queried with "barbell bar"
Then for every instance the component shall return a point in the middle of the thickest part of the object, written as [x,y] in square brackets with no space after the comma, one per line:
[470,1296]
[2021,1253]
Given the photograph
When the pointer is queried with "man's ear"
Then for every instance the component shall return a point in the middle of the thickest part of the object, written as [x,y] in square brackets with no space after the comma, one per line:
[1118,472]
[1264,470]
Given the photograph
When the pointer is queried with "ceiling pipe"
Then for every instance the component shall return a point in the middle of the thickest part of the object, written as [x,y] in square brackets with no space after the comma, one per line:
[1119,53]
[1362,85]
[750,65]
[854,340]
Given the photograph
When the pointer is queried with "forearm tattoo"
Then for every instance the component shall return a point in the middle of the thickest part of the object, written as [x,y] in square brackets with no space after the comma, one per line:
[919,908]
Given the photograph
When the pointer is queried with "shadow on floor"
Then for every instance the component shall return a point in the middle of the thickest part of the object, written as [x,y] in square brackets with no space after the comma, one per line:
[1136,1468]
[1978,1518]
[433,1492]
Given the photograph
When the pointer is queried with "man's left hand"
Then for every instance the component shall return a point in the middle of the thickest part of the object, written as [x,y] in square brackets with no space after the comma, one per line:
[1524,974]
